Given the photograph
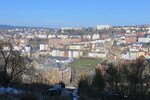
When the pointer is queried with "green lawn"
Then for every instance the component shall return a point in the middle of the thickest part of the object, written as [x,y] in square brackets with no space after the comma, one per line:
[86,64]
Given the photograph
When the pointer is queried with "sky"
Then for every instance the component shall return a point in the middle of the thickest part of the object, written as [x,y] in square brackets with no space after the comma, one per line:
[74,13]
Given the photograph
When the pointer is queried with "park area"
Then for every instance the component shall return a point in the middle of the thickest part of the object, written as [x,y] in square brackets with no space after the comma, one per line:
[83,66]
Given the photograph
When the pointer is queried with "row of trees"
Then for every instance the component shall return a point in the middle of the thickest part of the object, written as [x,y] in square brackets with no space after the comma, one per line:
[130,80]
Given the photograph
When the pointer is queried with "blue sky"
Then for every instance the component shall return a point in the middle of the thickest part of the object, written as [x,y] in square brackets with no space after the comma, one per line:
[74,13]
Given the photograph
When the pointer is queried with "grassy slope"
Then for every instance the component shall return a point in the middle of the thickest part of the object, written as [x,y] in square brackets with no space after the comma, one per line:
[86,64]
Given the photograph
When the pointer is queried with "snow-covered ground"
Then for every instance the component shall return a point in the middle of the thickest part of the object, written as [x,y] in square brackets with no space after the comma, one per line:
[9,90]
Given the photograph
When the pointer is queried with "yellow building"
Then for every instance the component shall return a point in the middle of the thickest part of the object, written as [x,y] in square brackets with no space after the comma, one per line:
[76,46]
[141,53]
[81,53]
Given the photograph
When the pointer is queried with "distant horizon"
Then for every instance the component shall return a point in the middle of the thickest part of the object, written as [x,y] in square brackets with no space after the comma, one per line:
[67,26]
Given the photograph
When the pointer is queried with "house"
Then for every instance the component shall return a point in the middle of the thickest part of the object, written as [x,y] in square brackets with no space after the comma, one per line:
[145,48]
[72,53]
[51,36]
[135,48]
[6,47]
[111,57]
[43,36]
[141,53]
[30,36]
[104,36]
[63,41]
[57,52]
[59,74]
[44,47]
[75,36]
[87,37]
[131,39]
[130,55]
[55,41]
[95,36]
[140,33]
[147,35]
[144,40]
[16,47]
[75,53]
[63,36]
[76,46]
[27,48]
[1,37]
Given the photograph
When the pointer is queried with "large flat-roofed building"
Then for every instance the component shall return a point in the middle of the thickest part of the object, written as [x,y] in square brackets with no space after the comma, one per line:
[70,28]
[103,27]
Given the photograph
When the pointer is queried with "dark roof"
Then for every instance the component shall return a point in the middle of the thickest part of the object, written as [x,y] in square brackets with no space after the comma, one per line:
[39,60]
[58,58]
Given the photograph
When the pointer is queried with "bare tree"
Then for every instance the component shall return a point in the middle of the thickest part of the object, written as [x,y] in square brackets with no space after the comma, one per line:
[11,64]
[130,79]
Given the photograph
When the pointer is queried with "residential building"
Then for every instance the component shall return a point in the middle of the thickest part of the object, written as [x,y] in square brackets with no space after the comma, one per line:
[131,39]
[95,36]
[130,55]
[144,40]
[76,46]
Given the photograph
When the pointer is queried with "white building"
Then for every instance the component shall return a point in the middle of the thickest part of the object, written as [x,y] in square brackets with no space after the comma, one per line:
[29,36]
[16,47]
[51,36]
[70,28]
[75,36]
[43,47]
[57,52]
[74,53]
[97,54]
[87,37]
[103,26]
[95,36]
[43,36]
[27,48]
[1,37]
[130,55]
[144,40]
[63,36]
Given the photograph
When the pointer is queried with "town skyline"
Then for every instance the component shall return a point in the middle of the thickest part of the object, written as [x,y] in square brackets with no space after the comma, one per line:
[22,26]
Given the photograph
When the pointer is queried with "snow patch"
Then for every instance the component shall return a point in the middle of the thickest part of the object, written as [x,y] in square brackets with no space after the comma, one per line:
[9,90]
